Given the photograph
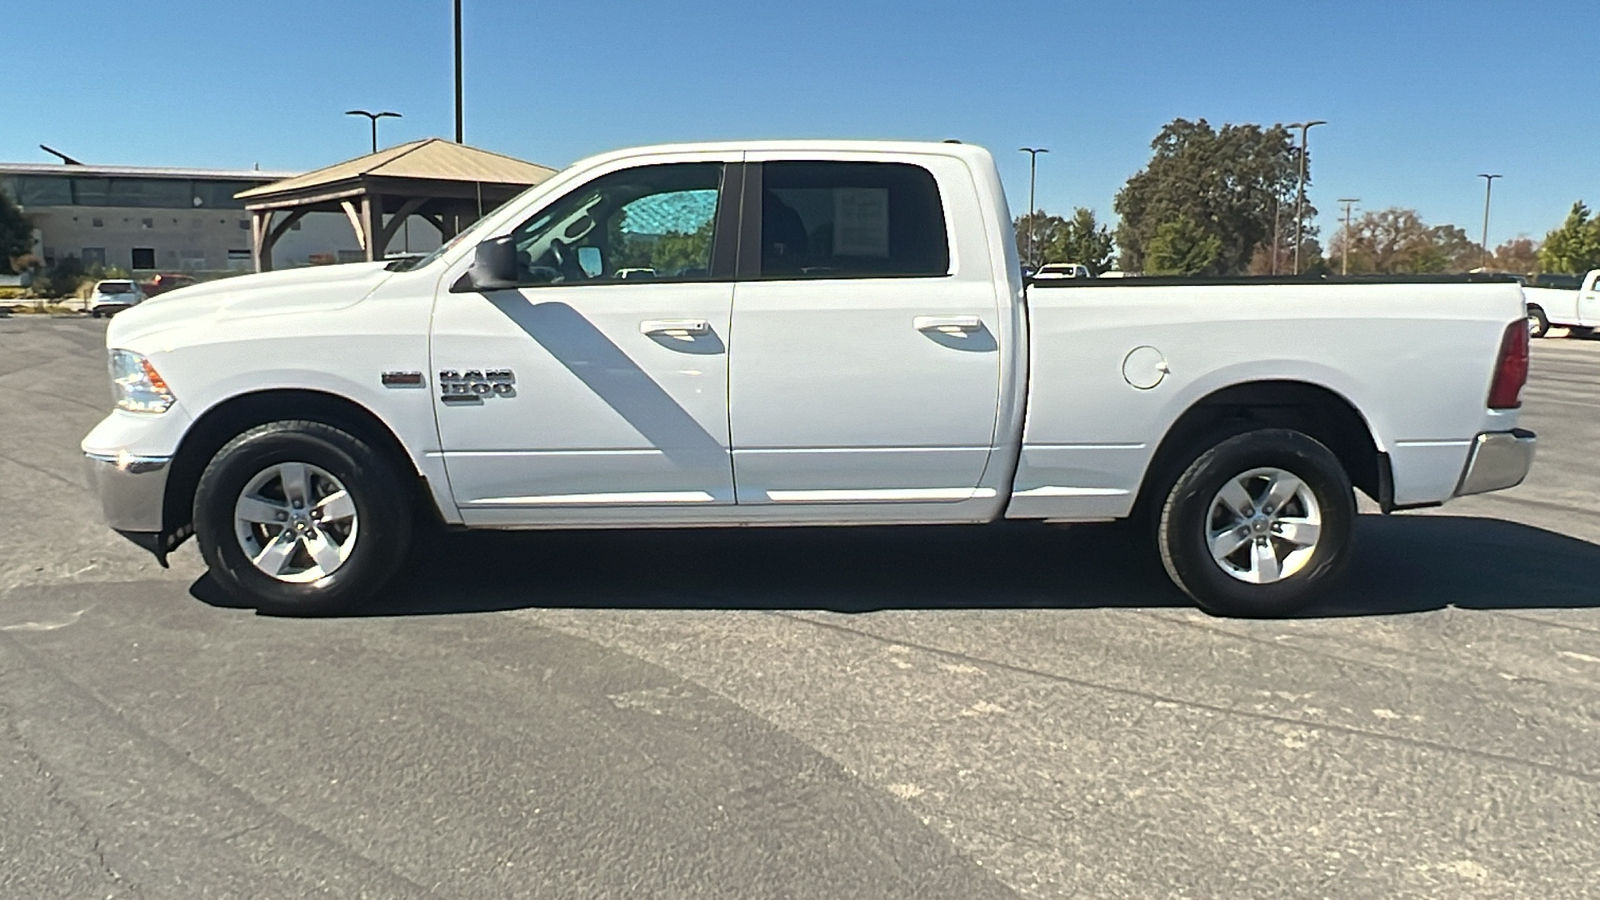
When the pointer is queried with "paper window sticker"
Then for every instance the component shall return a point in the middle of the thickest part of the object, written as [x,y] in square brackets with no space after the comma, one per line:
[861,222]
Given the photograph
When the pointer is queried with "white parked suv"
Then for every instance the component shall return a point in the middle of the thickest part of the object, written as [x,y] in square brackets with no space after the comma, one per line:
[112,296]
[847,340]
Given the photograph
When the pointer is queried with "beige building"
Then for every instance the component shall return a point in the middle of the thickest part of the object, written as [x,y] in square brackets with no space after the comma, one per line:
[148,220]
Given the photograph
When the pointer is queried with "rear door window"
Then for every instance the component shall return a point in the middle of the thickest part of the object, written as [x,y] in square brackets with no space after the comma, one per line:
[851,220]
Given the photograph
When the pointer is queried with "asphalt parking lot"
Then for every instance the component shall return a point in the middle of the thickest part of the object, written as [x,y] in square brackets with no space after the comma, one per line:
[916,713]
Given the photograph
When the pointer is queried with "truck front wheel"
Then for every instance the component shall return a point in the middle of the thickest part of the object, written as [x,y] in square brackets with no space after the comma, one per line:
[1258,525]
[301,518]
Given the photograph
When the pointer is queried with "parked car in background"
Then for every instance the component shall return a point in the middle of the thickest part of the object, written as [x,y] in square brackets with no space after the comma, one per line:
[1563,301]
[1063,270]
[112,296]
[167,281]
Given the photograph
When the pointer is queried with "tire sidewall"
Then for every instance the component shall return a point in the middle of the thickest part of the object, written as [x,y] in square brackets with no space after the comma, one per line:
[1540,324]
[383,518]
[1185,523]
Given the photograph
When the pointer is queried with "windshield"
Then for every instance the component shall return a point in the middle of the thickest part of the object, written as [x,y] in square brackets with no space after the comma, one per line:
[115,287]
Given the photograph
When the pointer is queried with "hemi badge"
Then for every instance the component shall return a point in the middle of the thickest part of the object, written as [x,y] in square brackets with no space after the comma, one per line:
[402,379]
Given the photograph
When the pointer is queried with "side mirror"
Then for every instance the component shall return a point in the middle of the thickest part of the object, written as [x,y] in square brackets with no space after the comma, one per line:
[494,267]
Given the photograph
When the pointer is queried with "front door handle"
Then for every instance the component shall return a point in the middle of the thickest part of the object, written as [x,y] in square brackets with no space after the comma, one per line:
[675,327]
[947,324]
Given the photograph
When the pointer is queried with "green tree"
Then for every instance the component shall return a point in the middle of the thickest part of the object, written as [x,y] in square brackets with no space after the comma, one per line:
[1229,184]
[1397,241]
[16,232]
[1575,246]
[1182,247]
[1520,256]
[1080,239]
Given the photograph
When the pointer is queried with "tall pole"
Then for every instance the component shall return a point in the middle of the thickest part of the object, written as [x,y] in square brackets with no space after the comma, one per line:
[1033,174]
[459,118]
[1344,258]
[374,116]
[1300,193]
[1488,190]
[1277,206]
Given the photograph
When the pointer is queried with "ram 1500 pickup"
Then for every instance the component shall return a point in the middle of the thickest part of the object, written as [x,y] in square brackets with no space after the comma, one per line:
[792,333]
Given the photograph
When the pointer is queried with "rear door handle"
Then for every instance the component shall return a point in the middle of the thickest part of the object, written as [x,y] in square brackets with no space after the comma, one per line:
[947,324]
[675,327]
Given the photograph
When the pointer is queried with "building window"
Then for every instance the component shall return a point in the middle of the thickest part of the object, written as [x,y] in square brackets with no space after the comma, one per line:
[98,223]
[244,224]
[219,194]
[91,191]
[44,190]
[147,224]
[94,256]
[144,257]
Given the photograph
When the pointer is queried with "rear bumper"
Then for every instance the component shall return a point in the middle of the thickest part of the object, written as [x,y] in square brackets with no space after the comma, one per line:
[1498,460]
[132,489]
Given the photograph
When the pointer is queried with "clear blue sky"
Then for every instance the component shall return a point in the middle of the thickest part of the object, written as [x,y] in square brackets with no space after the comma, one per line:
[1421,96]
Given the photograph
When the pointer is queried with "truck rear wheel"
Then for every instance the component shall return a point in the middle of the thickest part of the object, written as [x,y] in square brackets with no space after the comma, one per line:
[1259,525]
[301,518]
[1538,323]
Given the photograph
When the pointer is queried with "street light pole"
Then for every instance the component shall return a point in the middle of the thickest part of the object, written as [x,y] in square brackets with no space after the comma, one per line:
[1300,193]
[1344,258]
[1277,206]
[459,116]
[1488,190]
[1033,173]
[374,116]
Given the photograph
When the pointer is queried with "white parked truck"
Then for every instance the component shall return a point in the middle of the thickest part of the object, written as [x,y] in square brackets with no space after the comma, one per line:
[831,334]
[1576,309]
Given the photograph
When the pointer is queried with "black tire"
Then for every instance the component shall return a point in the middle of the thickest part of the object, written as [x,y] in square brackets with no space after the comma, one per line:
[1186,523]
[381,503]
[1538,323]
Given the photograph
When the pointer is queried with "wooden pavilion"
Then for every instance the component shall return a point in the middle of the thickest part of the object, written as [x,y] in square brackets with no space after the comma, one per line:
[447,184]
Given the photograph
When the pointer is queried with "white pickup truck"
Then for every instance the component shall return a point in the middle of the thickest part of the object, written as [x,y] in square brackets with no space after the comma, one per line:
[1578,310]
[791,333]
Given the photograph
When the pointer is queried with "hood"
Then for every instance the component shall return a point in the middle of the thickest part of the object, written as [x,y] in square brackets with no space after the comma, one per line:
[267,293]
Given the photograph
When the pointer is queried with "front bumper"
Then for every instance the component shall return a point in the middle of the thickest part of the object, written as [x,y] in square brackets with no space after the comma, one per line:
[132,489]
[1499,460]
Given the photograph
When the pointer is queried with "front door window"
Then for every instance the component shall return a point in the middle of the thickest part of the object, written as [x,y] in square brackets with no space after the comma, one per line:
[653,223]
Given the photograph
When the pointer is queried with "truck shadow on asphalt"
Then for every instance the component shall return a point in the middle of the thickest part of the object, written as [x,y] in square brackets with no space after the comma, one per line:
[1402,564]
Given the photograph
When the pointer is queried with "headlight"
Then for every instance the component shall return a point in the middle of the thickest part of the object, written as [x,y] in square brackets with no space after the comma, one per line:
[136,385]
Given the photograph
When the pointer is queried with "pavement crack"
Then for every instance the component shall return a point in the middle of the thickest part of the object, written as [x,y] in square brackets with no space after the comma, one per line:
[1325,727]
[45,472]
[213,779]
[54,787]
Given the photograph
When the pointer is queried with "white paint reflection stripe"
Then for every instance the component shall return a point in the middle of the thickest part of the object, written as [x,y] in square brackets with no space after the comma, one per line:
[576,499]
[885,494]
[1051,490]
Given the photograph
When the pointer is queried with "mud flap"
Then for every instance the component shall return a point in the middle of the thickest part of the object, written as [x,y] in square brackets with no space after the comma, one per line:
[160,543]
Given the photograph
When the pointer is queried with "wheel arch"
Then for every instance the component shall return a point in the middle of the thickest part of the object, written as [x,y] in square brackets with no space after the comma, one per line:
[228,419]
[1316,410]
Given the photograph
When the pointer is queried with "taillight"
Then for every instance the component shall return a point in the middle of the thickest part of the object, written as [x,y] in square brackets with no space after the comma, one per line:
[1511,369]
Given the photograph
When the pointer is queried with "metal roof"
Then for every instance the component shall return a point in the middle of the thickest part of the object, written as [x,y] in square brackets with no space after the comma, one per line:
[88,171]
[433,159]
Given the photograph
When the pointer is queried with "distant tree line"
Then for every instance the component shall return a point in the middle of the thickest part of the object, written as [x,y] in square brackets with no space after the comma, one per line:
[1222,202]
